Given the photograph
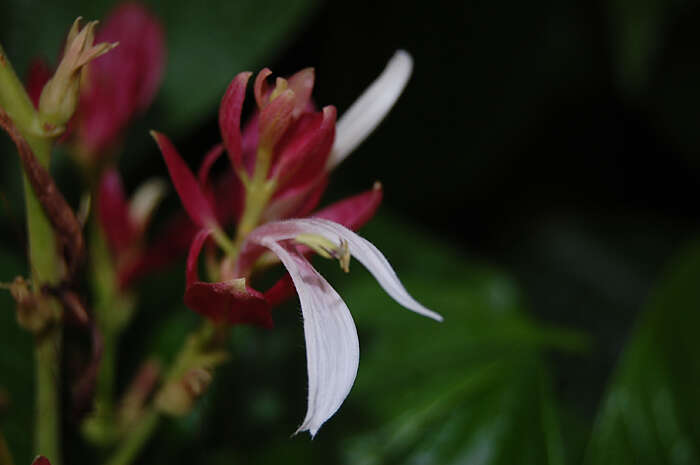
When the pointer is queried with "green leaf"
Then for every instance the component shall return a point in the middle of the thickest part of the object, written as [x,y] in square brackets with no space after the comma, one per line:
[651,414]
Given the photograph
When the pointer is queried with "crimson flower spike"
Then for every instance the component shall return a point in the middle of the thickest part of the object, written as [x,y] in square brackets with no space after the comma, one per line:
[307,144]
[291,148]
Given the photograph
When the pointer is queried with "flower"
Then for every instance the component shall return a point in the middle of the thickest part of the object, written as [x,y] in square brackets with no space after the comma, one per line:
[282,158]
[332,349]
[115,87]
[296,145]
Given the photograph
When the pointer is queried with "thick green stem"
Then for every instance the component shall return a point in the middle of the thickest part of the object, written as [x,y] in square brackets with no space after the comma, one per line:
[45,265]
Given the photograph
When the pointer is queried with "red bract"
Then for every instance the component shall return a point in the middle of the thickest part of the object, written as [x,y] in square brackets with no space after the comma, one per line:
[118,85]
[230,301]
[193,199]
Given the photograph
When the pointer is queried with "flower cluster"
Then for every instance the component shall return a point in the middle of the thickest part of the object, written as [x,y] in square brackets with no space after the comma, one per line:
[282,158]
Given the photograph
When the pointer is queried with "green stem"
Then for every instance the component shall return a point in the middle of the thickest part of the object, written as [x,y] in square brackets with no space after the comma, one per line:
[104,394]
[47,431]
[44,261]
[113,310]
[136,439]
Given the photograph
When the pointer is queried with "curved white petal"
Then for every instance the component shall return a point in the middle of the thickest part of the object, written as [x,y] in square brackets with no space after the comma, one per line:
[360,248]
[332,348]
[369,110]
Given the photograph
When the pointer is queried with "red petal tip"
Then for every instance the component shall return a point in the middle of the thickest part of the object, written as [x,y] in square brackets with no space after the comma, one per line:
[196,204]
[230,117]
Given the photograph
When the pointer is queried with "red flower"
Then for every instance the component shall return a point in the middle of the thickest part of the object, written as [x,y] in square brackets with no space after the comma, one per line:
[282,159]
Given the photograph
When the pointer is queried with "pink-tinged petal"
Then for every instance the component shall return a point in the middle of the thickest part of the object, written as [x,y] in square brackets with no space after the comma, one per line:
[354,212]
[369,110]
[144,201]
[332,347]
[363,250]
[280,292]
[113,211]
[122,83]
[231,194]
[305,148]
[192,274]
[312,199]
[230,117]
[230,301]
[41,460]
[291,201]
[275,119]
[196,204]
[261,88]
[251,133]
[38,75]
[250,139]
[205,169]
[302,83]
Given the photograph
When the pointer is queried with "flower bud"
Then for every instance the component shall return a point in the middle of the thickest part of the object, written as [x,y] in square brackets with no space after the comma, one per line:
[60,96]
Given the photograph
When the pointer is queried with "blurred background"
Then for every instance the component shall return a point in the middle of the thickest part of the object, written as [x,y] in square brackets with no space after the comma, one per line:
[541,191]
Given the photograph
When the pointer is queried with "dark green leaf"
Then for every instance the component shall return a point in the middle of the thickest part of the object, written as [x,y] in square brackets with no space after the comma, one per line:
[651,414]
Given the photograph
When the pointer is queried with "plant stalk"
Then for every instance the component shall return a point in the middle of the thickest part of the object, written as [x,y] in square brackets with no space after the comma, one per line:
[44,263]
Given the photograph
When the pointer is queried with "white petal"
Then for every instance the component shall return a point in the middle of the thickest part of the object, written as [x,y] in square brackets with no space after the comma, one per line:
[369,110]
[360,248]
[145,200]
[332,349]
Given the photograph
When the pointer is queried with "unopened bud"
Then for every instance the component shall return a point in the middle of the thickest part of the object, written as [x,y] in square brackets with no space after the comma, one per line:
[61,94]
